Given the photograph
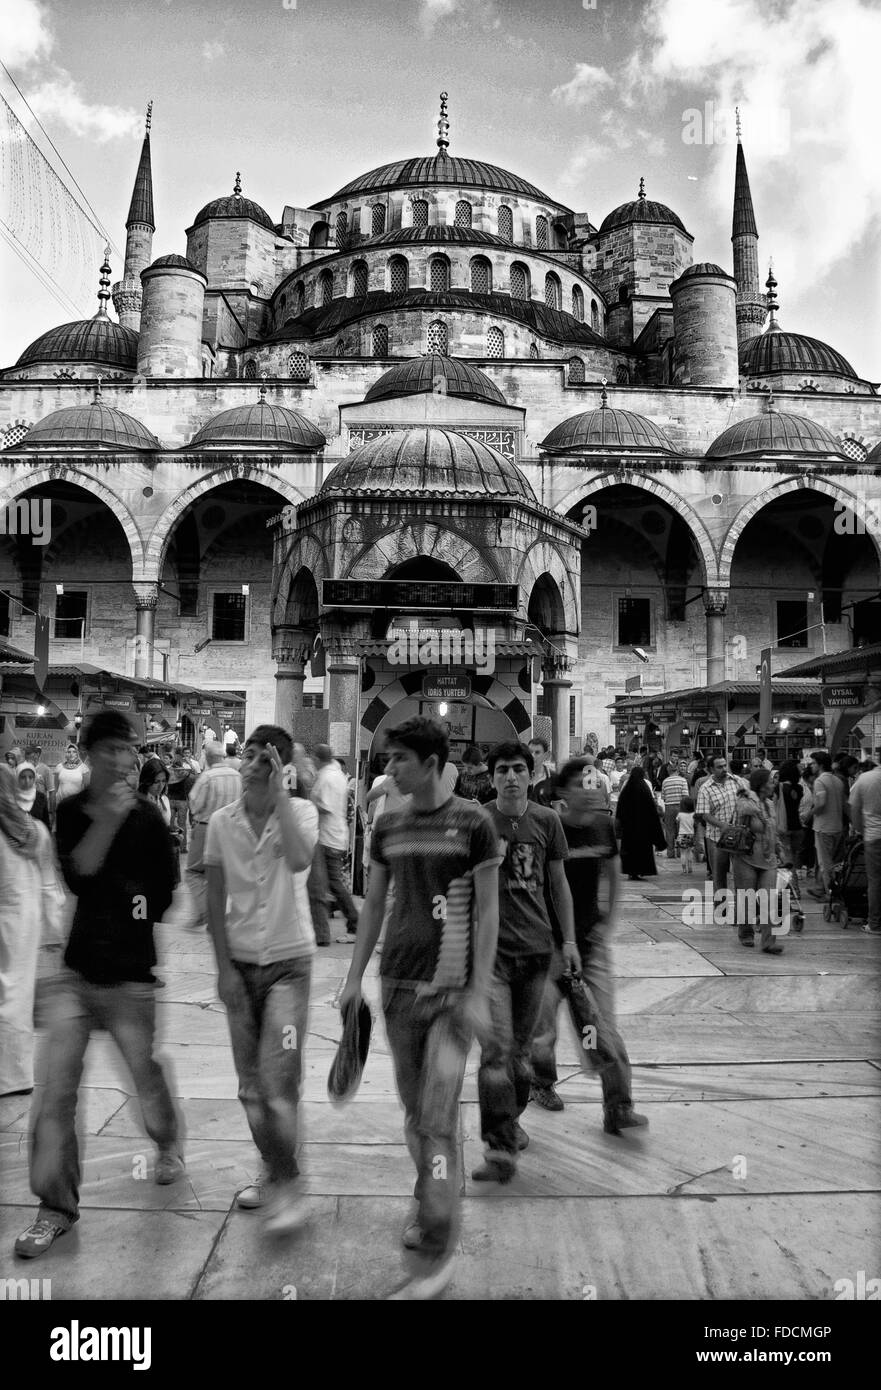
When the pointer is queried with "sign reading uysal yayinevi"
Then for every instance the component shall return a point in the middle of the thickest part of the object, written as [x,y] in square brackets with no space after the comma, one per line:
[843,696]
[446,687]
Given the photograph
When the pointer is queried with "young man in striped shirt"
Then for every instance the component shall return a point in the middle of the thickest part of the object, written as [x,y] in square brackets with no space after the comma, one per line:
[673,788]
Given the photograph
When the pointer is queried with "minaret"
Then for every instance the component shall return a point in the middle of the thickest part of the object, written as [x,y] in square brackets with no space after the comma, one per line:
[773,307]
[750,304]
[139,239]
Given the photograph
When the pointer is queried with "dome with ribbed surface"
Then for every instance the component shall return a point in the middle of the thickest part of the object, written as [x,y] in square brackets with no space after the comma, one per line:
[704,268]
[439,169]
[96,425]
[422,374]
[640,210]
[776,351]
[404,236]
[175,261]
[269,426]
[773,432]
[98,340]
[609,430]
[234,205]
[428,460]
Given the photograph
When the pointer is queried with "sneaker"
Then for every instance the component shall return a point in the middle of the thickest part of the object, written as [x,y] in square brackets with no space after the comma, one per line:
[546,1097]
[772,950]
[623,1117]
[169,1167]
[38,1237]
[522,1138]
[871,931]
[412,1236]
[747,941]
[287,1211]
[500,1169]
[428,1283]
[251,1197]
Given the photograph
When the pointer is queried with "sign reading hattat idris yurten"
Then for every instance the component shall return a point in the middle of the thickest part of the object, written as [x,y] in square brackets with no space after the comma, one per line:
[439,405]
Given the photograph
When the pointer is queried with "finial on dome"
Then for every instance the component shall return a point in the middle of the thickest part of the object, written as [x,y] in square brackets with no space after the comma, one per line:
[771,298]
[737,122]
[769,406]
[237,186]
[443,125]
[604,401]
[149,117]
[98,381]
[104,285]
[641,187]
[263,380]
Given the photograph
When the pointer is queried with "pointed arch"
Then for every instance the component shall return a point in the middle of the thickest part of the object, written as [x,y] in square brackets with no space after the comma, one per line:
[543,558]
[803,482]
[41,477]
[424,540]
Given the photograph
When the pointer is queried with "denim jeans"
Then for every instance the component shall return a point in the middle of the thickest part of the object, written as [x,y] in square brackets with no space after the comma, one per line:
[429,1047]
[718,861]
[610,1055]
[746,877]
[128,1013]
[505,1073]
[268,1022]
[327,880]
[873,875]
[829,846]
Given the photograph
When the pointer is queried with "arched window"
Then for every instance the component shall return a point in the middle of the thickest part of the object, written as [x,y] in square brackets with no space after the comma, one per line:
[341,226]
[359,279]
[318,234]
[299,298]
[397,275]
[495,343]
[437,337]
[377,221]
[380,341]
[481,276]
[325,289]
[533,352]
[576,371]
[439,275]
[250,372]
[622,374]
[594,316]
[506,223]
[298,366]
[519,281]
[577,303]
[463,215]
[553,292]
[541,232]
[420,212]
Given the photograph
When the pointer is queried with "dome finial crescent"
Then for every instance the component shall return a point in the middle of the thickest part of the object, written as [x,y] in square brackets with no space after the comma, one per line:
[771,298]
[237,186]
[641,187]
[104,285]
[443,126]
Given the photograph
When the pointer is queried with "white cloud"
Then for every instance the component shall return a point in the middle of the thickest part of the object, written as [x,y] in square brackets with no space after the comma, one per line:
[581,89]
[27,36]
[60,99]
[432,12]
[213,48]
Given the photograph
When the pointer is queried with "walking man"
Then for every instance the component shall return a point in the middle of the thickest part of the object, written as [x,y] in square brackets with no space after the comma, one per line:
[330,794]
[829,805]
[534,847]
[258,851]
[716,803]
[865,816]
[673,788]
[116,856]
[441,855]
[219,785]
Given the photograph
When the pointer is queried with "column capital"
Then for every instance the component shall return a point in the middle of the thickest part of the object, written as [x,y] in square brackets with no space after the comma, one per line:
[146,593]
[716,602]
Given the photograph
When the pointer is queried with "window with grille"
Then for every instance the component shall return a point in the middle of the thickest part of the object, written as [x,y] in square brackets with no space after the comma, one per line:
[439,275]
[576,370]
[359,279]
[481,276]
[577,303]
[594,316]
[553,292]
[519,281]
[437,337]
[341,224]
[533,352]
[14,435]
[377,219]
[250,370]
[339,348]
[397,275]
[495,343]
[298,366]
[228,614]
[506,223]
[313,701]
[380,341]
[299,299]
[853,449]
[541,233]
[420,212]
[325,290]
[71,611]
[463,215]
[622,374]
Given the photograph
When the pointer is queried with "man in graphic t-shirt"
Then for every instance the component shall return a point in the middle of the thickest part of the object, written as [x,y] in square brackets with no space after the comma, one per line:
[441,856]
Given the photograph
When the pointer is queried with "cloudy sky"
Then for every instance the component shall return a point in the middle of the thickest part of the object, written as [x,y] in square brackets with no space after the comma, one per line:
[580,98]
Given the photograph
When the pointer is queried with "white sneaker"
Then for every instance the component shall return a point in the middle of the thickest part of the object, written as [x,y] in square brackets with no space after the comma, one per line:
[251,1197]
[287,1211]
[428,1283]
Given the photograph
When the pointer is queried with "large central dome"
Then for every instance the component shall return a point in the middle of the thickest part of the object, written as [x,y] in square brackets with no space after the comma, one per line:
[437,169]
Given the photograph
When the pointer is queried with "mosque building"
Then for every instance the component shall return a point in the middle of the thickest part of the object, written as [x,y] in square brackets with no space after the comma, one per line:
[438,441]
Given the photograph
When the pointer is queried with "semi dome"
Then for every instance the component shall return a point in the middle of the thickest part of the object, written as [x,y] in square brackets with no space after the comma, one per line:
[98,340]
[776,351]
[609,430]
[261,423]
[436,169]
[97,425]
[421,374]
[641,209]
[234,206]
[774,432]
[430,460]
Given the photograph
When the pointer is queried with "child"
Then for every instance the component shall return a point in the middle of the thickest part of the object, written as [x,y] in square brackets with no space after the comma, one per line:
[685,833]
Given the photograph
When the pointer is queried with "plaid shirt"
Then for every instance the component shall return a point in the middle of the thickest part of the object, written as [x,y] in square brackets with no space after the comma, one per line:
[717,799]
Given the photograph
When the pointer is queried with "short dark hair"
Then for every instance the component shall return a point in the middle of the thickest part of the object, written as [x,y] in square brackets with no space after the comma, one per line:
[540,738]
[822,759]
[277,736]
[574,768]
[507,752]
[107,724]
[735,766]
[686,804]
[758,777]
[423,736]
[472,755]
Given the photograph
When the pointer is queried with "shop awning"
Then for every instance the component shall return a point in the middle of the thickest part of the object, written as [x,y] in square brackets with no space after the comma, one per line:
[711,695]
[853,662]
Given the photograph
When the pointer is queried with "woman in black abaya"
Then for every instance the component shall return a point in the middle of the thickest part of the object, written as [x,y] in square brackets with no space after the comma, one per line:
[638,826]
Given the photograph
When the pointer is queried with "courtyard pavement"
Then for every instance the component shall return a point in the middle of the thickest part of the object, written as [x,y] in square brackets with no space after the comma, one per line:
[757,1178]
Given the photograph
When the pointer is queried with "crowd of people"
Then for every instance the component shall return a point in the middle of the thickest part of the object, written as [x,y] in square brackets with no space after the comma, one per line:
[483,897]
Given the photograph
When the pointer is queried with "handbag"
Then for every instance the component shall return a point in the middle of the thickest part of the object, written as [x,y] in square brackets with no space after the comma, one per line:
[736,838]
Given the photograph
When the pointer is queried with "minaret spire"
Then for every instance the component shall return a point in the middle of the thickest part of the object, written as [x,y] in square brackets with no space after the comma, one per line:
[139,227]
[443,128]
[771,286]
[140,211]
[750,305]
[104,285]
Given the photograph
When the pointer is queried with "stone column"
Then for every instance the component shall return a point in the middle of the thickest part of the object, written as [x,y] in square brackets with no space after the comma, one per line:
[715,608]
[344,678]
[291,649]
[146,601]
[556,686]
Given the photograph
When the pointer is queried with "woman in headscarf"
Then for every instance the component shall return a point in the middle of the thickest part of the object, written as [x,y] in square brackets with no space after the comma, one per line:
[757,868]
[71,776]
[33,802]
[25,865]
[639,826]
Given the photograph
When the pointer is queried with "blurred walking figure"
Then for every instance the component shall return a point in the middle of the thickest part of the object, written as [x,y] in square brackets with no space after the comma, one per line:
[865,815]
[29,797]
[258,851]
[330,794]
[116,856]
[218,786]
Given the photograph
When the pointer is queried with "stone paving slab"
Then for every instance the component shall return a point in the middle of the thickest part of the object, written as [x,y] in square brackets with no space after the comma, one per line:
[380,1122]
[767,1081]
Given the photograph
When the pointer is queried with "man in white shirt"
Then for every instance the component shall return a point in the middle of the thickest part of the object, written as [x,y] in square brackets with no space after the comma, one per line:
[330,794]
[258,852]
[219,785]
[673,788]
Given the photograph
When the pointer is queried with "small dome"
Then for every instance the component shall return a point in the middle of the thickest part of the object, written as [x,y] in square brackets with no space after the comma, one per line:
[773,432]
[98,340]
[704,268]
[469,236]
[640,209]
[609,430]
[234,205]
[421,374]
[430,460]
[261,423]
[776,351]
[96,425]
[178,262]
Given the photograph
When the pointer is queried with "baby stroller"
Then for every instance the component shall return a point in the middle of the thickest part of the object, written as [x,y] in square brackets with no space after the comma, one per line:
[787,880]
[848,886]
